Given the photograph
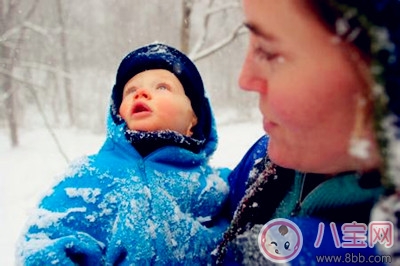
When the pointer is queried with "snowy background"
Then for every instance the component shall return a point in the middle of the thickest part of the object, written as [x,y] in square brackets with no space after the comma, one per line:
[58,64]
[29,170]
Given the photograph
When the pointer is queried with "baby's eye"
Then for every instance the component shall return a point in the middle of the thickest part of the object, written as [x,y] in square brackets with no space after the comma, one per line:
[162,87]
[129,91]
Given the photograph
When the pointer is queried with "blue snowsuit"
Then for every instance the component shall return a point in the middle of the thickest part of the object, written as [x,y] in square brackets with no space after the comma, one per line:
[119,208]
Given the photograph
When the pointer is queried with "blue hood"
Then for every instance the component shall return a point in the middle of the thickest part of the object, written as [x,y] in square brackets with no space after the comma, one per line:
[161,56]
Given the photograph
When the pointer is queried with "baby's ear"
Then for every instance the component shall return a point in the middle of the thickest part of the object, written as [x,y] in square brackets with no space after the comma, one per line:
[192,124]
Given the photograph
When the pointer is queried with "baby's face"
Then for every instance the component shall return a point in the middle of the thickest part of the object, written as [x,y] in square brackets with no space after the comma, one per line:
[155,100]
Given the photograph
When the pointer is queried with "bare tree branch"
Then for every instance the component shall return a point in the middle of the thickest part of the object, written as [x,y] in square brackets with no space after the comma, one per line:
[226,6]
[42,67]
[200,42]
[10,102]
[40,108]
[12,7]
[65,63]
[9,33]
[217,46]
[6,36]
[187,6]
[196,53]
[38,29]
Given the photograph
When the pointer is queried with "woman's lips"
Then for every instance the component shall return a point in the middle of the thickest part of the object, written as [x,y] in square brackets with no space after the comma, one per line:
[268,125]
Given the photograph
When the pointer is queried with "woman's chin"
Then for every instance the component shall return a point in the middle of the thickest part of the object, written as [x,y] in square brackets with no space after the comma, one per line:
[284,157]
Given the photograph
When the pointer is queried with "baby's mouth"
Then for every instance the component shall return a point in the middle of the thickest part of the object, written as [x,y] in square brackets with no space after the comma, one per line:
[140,108]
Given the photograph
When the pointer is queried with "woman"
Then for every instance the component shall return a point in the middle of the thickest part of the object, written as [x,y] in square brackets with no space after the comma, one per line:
[328,79]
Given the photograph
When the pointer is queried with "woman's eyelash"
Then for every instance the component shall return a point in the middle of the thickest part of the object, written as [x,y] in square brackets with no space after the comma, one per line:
[265,55]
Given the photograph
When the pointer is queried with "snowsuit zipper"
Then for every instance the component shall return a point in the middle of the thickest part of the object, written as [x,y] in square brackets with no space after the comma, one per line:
[146,183]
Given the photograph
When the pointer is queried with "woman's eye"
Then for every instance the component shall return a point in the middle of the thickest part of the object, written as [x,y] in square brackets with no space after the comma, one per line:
[262,54]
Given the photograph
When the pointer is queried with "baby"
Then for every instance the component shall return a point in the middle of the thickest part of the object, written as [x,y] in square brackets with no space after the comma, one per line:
[149,195]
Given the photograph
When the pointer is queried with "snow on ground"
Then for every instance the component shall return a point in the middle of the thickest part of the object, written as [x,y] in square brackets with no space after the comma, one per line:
[28,171]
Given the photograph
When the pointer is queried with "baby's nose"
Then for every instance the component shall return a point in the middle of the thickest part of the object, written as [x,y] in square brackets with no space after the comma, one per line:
[142,93]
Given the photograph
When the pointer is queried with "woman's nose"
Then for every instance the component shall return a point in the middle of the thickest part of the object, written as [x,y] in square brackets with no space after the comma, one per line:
[142,93]
[252,77]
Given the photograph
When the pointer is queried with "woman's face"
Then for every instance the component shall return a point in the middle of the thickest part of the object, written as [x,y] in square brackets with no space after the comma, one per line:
[311,90]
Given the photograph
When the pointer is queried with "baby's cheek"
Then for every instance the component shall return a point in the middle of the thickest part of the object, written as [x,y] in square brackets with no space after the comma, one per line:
[123,110]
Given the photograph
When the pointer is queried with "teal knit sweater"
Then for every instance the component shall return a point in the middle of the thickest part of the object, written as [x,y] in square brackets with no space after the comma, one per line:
[337,197]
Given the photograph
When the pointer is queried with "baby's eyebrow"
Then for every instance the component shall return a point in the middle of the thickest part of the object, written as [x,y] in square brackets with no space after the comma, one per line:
[258,32]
